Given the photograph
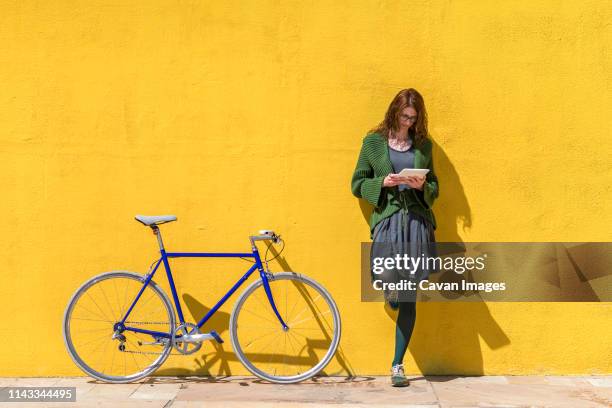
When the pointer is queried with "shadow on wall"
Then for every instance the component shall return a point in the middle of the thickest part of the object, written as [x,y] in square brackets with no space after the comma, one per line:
[446,336]
[204,359]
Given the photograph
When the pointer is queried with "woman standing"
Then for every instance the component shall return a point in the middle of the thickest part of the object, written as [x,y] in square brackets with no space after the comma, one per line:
[402,216]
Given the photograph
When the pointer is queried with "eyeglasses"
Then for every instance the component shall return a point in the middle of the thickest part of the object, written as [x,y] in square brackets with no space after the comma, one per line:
[406,117]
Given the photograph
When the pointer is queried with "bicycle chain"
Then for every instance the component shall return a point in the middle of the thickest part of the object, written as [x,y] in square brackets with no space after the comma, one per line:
[148,322]
[149,352]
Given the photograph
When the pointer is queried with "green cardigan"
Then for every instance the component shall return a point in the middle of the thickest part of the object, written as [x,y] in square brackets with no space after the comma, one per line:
[374,165]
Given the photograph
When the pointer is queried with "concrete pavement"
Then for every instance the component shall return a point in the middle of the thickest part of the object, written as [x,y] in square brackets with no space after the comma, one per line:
[341,392]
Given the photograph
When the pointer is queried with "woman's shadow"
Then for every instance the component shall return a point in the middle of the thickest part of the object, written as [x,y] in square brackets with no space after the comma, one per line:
[446,336]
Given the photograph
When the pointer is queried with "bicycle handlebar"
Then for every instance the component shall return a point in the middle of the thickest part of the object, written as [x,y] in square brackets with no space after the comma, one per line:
[269,235]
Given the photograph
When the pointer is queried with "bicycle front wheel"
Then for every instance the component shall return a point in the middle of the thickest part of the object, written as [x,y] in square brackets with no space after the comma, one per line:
[90,327]
[292,355]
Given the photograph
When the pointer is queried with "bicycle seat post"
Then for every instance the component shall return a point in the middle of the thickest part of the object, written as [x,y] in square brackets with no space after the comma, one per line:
[157,232]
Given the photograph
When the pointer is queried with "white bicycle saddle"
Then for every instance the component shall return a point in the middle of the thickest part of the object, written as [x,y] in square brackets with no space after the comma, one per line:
[149,220]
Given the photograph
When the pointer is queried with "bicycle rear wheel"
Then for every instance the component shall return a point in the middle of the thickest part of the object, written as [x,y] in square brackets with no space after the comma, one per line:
[90,333]
[292,355]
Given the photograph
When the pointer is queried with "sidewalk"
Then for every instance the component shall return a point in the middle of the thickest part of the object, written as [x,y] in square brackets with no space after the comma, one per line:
[247,392]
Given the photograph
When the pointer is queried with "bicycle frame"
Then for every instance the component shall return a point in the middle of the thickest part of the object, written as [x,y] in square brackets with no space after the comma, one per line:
[165,256]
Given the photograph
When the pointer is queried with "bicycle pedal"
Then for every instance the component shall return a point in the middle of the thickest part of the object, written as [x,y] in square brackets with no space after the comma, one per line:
[216,336]
[152,343]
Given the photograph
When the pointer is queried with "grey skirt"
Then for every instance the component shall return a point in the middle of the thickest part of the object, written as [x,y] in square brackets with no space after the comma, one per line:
[403,233]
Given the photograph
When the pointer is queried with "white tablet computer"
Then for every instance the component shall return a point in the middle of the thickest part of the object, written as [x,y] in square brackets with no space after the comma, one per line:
[413,172]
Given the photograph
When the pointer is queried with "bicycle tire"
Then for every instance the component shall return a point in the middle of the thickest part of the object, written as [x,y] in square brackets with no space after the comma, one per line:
[239,350]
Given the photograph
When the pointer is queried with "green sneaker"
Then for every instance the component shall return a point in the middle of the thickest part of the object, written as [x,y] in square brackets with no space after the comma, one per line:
[398,379]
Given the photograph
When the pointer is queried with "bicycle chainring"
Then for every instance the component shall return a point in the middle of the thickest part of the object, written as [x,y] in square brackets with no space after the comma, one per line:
[183,347]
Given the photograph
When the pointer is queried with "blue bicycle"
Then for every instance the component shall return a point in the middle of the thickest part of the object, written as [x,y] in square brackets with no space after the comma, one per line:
[121,326]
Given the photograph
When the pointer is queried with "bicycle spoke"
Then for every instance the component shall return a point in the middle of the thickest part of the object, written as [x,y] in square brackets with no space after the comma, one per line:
[118,300]
[97,339]
[267,307]
[92,320]
[125,298]
[268,344]
[292,308]
[285,314]
[258,338]
[135,348]
[306,328]
[113,361]
[272,355]
[300,348]
[96,303]
[94,313]
[101,356]
[142,305]
[291,343]
[309,318]
[242,326]
[285,349]
[108,329]
[255,314]
[295,352]
[104,353]
[307,307]
[107,301]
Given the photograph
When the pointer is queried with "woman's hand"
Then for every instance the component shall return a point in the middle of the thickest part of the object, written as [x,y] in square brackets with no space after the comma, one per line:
[392,180]
[416,182]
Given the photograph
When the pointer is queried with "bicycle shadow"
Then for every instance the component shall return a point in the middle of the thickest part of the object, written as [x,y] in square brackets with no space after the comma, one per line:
[244,381]
[205,363]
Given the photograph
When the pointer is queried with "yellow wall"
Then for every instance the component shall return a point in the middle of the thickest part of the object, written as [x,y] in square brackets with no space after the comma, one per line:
[241,115]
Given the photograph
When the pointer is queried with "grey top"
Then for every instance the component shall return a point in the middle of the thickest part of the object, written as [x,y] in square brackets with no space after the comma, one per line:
[400,161]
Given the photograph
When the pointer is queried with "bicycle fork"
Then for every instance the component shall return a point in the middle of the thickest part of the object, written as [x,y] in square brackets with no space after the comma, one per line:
[264,277]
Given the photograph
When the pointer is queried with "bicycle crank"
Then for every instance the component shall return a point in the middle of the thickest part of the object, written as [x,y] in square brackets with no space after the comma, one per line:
[187,338]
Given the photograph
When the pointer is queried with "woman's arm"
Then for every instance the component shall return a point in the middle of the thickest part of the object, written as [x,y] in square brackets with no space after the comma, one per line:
[430,189]
[363,183]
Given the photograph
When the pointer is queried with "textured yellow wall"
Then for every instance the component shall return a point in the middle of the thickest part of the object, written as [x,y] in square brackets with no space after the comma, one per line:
[241,115]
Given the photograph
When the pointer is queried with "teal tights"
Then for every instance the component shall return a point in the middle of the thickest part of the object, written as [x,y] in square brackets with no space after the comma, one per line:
[403,330]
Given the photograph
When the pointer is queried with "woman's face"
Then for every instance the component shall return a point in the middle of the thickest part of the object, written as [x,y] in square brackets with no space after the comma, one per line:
[407,118]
